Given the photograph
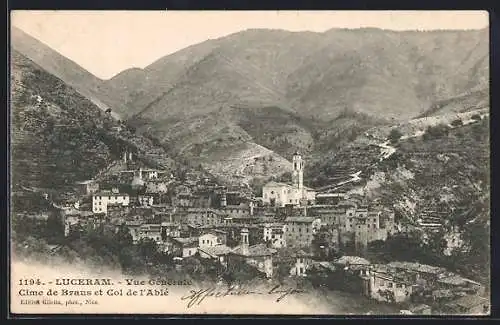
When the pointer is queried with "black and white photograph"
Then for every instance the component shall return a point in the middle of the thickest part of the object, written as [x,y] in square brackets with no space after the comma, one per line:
[250,162]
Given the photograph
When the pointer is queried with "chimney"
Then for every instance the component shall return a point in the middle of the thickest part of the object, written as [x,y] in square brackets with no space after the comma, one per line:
[244,241]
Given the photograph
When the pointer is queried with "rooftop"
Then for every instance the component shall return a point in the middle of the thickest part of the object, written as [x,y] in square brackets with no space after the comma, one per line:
[456,280]
[168,224]
[110,194]
[254,250]
[302,253]
[216,250]
[133,223]
[423,268]
[186,241]
[86,182]
[468,301]
[300,219]
[155,227]
[352,260]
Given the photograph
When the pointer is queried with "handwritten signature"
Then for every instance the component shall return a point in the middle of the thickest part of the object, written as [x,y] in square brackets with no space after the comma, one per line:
[196,297]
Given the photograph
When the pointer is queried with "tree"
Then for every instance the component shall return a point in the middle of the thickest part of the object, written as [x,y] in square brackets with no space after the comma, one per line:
[395,135]
[285,177]
[283,270]
[241,271]
[476,117]
[436,243]
[54,228]
[387,295]
[192,265]
[123,237]
[148,249]
[457,123]
[437,131]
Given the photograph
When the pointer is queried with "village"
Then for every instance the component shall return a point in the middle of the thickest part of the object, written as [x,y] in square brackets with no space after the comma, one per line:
[325,235]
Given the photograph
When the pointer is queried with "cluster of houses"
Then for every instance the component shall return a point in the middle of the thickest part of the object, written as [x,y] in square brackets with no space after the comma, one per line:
[203,219]
[413,284]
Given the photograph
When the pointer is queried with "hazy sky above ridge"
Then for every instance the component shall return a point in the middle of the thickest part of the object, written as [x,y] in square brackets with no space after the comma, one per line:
[107,42]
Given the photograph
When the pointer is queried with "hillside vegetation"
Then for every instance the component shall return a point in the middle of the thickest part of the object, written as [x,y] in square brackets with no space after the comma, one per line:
[444,172]
[309,92]
[68,71]
[60,137]
[285,91]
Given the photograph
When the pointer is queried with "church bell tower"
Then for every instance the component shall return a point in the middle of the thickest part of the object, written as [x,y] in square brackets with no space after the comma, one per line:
[298,171]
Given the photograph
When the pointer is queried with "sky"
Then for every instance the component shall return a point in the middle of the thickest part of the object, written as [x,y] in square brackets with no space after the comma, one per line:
[108,42]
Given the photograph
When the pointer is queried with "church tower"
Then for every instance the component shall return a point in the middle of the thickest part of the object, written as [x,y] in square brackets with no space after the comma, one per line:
[244,241]
[298,171]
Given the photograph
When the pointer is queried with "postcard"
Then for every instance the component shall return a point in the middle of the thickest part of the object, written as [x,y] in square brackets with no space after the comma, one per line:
[250,162]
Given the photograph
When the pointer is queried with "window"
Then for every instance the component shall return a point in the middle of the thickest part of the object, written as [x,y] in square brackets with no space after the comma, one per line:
[374,219]
[307,229]
[398,285]
[272,192]
[189,252]
[390,285]
[368,226]
[290,200]
[374,226]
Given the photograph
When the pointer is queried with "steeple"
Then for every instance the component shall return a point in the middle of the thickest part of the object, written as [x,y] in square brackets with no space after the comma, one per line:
[244,241]
[223,199]
[298,171]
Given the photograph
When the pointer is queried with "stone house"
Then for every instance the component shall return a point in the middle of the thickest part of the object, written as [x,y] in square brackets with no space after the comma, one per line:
[184,247]
[258,255]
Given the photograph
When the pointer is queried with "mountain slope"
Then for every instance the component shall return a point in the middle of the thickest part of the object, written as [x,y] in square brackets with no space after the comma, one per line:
[305,91]
[60,137]
[287,91]
[55,130]
[71,73]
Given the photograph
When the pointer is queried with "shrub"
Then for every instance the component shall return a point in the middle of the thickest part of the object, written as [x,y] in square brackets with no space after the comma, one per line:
[457,122]
[437,131]
[395,135]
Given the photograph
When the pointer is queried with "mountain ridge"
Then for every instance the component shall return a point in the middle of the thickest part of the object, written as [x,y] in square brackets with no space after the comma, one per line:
[322,89]
[65,69]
